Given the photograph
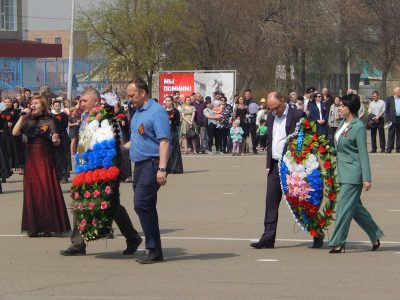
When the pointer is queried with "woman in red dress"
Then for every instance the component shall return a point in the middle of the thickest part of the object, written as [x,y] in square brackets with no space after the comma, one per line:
[44,209]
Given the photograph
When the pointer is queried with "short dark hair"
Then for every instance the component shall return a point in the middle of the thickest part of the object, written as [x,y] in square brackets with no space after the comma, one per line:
[262,121]
[352,101]
[176,92]
[208,100]
[56,101]
[247,90]
[375,92]
[27,90]
[140,84]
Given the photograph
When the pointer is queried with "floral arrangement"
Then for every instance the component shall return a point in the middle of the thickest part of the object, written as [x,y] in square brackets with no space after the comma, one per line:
[94,190]
[307,173]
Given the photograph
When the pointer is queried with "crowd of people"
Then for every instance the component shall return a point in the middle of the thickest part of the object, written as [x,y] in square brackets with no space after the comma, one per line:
[38,136]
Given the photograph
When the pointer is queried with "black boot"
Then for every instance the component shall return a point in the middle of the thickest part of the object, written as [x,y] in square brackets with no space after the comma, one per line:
[124,223]
[318,242]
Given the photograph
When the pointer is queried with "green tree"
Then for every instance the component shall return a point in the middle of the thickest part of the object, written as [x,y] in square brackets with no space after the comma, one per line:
[139,37]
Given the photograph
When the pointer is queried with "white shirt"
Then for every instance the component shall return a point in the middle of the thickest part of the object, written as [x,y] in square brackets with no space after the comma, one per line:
[339,132]
[319,109]
[306,100]
[261,114]
[279,135]
[377,108]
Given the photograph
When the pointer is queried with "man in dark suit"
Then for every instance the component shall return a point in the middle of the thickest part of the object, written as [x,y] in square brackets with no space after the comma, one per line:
[392,115]
[281,122]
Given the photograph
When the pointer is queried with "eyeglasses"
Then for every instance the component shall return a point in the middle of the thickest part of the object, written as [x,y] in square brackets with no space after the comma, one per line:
[223,100]
[318,96]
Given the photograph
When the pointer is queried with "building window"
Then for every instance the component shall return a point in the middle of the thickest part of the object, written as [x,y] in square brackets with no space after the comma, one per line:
[8,15]
[38,40]
[57,40]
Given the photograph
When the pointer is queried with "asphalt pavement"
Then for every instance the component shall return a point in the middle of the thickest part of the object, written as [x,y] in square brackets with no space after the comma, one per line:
[207,218]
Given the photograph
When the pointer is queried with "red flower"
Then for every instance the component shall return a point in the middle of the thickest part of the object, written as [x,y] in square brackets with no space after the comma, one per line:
[82,225]
[58,118]
[321,149]
[322,223]
[329,212]
[120,116]
[332,196]
[104,205]
[2,116]
[76,195]
[107,190]
[313,232]
[80,206]
[8,118]
[96,193]
[315,137]
[91,205]
[327,164]
[329,181]
[306,124]
[86,194]
[94,224]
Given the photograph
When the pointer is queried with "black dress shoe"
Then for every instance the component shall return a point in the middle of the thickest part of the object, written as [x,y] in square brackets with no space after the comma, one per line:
[318,242]
[375,247]
[150,256]
[73,252]
[132,246]
[388,151]
[338,250]
[261,245]
[372,151]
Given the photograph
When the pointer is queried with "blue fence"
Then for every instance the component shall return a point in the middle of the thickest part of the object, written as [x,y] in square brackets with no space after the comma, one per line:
[34,73]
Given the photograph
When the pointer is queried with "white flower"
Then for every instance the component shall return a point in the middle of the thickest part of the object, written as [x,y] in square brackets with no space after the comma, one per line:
[111,98]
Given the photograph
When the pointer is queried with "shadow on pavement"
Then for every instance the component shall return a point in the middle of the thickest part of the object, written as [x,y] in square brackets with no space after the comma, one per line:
[177,254]
[12,192]
[195,171]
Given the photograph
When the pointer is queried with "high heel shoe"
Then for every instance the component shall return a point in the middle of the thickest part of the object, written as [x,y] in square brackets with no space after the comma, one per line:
[334,250]
[375,247]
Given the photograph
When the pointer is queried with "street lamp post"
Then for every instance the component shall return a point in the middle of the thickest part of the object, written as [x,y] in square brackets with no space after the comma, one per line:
[71,53]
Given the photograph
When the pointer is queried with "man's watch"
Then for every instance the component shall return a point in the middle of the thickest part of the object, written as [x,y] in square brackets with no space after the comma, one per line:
[162,170]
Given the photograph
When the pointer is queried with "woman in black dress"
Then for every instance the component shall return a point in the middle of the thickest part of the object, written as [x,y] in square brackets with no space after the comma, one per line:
[175,165]
[44,209]
[10,145]
[240,113]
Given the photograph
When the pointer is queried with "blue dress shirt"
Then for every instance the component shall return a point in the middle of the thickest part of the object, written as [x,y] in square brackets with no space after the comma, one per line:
[153,119]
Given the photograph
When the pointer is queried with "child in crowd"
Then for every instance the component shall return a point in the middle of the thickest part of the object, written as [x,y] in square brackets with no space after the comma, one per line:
[262,135]
[237,137]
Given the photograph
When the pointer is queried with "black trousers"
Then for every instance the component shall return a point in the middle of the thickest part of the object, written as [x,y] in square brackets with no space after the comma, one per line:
[213,133]
[394,134]
[272,201]
[263,141]
[145,188]
[254,137]
[223,133]
[123,222]
[381,130]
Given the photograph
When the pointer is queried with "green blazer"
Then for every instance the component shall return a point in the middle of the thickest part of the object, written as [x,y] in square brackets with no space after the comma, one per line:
[352,154]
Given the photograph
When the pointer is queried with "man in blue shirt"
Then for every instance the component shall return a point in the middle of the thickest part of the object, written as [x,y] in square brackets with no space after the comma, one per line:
[150,133]
[392,115]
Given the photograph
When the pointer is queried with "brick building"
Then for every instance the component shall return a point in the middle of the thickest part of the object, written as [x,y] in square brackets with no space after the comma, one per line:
[62,37]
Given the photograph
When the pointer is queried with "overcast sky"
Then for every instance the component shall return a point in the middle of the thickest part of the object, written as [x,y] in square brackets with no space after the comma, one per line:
[52,14]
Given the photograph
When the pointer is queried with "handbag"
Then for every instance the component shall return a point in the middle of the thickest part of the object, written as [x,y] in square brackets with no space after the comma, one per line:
[192,132]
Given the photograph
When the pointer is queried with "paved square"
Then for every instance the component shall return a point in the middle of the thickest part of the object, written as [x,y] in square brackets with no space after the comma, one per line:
[208,217]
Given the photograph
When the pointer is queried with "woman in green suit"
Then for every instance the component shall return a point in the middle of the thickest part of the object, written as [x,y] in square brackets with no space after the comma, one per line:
[353,174]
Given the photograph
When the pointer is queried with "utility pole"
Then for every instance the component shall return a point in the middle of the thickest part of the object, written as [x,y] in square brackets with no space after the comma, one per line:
[71,54]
